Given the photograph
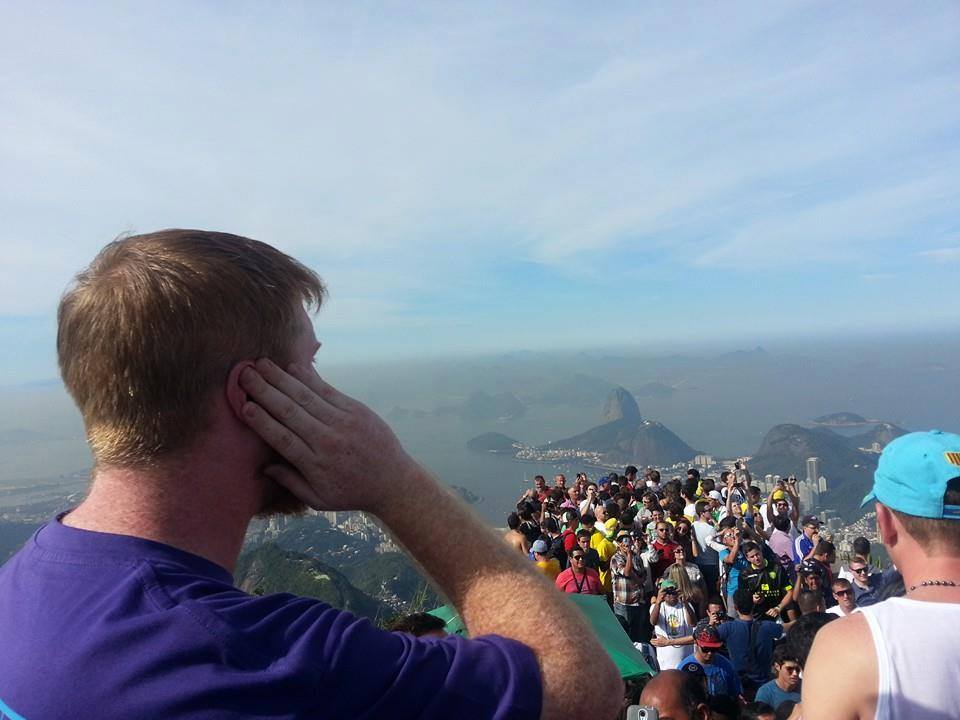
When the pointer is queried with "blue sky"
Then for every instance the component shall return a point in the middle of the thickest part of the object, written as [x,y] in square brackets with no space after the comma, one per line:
[498,176]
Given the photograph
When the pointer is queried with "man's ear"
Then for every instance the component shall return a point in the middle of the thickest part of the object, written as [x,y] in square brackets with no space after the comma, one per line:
[235,394]
[886,525]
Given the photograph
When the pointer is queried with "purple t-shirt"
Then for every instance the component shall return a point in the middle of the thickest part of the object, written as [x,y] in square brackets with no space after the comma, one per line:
[112,626]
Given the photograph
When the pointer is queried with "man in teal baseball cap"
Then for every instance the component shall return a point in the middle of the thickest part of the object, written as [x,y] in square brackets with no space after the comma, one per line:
[913,473]
[898,658]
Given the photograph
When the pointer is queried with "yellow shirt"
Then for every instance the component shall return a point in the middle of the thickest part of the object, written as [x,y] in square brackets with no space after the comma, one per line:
[550,568]
[606,550]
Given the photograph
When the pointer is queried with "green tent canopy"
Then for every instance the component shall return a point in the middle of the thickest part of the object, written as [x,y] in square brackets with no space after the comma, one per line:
[600,617]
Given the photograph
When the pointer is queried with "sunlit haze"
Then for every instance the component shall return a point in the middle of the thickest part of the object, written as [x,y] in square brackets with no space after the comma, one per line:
[494,177]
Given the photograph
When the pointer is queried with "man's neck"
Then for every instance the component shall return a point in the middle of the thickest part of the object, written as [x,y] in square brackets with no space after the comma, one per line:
[196,507]
[932,569]
[783,686]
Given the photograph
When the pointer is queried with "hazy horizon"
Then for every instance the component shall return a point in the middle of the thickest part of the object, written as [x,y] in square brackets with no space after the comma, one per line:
[469,180]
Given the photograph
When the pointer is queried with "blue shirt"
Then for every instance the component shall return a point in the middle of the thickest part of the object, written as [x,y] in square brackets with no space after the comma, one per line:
[801,548]
[721,675]
[772,695]
[733,571]
[736,634]
[113,626]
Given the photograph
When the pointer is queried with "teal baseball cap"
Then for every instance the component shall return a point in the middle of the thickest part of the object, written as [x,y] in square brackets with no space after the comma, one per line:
[913,472]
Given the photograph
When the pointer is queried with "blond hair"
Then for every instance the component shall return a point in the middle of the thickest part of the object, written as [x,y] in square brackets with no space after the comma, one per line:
[152,327]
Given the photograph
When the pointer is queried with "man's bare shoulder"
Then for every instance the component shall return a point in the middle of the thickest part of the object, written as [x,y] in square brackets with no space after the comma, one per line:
[840,677]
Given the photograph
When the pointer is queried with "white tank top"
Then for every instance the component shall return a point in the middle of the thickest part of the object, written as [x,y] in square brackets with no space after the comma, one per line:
[918,655]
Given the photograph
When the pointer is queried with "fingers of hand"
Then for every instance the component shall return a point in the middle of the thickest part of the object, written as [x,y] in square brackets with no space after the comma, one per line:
[308,376]
[286,399]
[278,436]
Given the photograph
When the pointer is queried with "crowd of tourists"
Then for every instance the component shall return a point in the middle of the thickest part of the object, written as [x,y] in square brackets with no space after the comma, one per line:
[706,576]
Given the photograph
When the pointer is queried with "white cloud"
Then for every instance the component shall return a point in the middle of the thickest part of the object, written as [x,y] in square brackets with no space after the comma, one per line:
[404,152]
[942,255]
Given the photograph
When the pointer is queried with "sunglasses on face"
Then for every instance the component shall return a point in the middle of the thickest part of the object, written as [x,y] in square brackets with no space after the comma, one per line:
[842,593]
[859,570]
[576,557]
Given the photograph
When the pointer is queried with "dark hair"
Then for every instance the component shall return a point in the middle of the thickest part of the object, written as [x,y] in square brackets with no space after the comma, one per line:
[861,546]
[801,634]
[715,600]
[693,693]
[724,475]
[539,477]
[725,706]
[708,484]
[755,710]
[655,475]
[588,518]
[824,547]
[513,521]
[584,533]
[676,508]
[416,624]
[630,470]
[782,653]
[749,546]
[809,601]
[701,507]
[784,710]
[550,525]
[694,472]
[743,601]
[727,522]
[781,523]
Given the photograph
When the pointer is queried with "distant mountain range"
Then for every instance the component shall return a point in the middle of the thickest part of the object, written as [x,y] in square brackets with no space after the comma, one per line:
[625,437]
[494,442]
[841,418]
[849,470]
[620,405]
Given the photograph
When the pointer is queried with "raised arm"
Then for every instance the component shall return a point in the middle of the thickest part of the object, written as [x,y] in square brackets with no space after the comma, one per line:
[791,488]
[344,457]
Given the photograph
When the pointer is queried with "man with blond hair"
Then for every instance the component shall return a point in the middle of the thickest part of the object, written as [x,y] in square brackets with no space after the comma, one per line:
[898,658]
[189,354]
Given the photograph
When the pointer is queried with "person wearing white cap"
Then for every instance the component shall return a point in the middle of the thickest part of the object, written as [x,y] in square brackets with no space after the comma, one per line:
[898,658]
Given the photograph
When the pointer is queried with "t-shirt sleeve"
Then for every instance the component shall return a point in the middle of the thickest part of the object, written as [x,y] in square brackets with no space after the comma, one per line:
[333,664]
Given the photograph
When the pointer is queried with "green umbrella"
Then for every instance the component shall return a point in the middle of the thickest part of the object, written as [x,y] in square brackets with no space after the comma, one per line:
[600,617]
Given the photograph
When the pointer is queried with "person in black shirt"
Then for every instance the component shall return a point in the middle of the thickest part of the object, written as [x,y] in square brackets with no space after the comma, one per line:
[592,557]
[766,581]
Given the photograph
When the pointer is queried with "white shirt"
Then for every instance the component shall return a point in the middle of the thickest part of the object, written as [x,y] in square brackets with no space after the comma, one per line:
[917,658]
[672,624]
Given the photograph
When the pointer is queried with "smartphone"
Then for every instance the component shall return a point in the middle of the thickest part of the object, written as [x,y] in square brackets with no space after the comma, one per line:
[642,712]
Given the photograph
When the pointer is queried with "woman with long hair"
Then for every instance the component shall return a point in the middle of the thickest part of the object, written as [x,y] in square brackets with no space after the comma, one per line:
[689,580]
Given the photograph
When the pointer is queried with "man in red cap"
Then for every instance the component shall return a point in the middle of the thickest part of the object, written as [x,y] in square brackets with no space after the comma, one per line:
[722,678]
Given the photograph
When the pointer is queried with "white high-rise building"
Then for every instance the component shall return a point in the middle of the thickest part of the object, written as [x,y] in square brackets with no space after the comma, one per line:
[822,483]
[813,469]
[806,498]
